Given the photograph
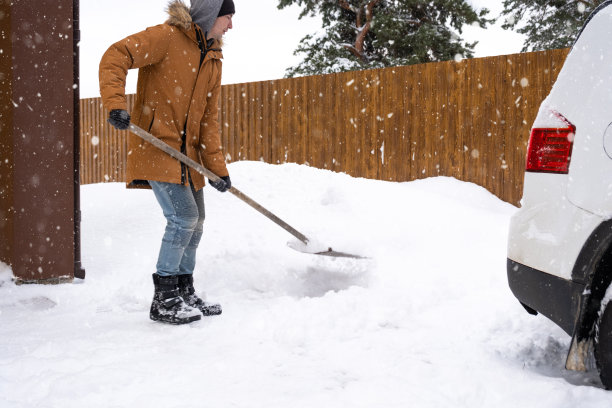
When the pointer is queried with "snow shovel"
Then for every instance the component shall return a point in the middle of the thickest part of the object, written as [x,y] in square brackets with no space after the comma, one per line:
[143,134]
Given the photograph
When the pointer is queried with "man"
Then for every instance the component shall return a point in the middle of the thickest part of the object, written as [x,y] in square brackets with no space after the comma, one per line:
[177,96]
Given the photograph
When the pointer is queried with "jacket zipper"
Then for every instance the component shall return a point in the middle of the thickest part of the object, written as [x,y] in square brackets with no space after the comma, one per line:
[203,51]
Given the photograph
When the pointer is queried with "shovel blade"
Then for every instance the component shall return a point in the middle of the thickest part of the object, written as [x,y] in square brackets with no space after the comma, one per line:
[337,254]
[305,249]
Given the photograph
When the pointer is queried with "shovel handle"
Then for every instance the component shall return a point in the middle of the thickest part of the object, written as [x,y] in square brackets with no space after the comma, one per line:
[143,134]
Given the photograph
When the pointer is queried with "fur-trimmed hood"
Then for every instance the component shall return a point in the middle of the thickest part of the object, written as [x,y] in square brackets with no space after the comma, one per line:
[178,14]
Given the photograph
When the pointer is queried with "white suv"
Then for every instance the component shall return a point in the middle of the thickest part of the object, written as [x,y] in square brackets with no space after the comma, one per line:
[560,241]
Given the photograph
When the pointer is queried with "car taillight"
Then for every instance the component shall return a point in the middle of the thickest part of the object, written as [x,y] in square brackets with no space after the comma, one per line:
[550,150]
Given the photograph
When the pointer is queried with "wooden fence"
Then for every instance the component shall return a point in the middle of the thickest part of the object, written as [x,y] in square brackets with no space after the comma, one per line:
[469,120]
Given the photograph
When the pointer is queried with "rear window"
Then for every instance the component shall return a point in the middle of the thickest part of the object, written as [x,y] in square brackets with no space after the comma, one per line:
[597,10]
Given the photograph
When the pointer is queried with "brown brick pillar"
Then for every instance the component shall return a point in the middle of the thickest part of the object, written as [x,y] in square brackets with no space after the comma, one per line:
[40,207]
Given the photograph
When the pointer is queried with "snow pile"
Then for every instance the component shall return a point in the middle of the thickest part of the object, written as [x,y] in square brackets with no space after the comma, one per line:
[427,321]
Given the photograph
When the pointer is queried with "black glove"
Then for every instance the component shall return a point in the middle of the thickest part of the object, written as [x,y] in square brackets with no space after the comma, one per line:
[119,118]
[222,185]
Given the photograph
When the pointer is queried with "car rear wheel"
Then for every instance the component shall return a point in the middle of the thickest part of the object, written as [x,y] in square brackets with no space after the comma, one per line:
[603,347]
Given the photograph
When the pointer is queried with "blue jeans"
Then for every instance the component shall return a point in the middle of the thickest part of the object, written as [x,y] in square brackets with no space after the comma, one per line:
[183,208]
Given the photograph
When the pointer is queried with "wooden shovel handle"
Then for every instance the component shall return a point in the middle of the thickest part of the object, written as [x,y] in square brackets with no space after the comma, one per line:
[143,134]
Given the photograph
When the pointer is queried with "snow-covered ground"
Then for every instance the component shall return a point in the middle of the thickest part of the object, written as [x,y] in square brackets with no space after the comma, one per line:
[427,321]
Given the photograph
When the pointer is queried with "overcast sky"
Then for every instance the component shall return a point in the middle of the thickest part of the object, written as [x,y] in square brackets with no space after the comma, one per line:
[259,48]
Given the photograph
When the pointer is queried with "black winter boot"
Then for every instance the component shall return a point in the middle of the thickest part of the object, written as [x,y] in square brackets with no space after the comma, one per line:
[187,292]
[168,306]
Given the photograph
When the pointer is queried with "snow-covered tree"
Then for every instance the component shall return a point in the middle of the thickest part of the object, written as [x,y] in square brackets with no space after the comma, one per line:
[364,34]
[547,24]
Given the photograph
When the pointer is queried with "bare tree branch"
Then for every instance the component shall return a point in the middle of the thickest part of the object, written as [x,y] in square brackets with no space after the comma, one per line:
[354,51]
[363,30]
[345,5]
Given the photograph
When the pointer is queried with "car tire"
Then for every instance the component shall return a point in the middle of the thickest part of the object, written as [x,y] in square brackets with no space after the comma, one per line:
[603,347]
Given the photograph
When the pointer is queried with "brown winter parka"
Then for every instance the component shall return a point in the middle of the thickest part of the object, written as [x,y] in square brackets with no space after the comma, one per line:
[179,83]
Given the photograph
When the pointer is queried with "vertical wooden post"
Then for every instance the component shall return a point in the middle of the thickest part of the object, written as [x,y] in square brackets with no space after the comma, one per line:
[40,140]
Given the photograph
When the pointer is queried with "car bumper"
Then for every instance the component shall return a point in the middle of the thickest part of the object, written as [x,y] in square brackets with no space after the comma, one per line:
[556,298]
[548,232]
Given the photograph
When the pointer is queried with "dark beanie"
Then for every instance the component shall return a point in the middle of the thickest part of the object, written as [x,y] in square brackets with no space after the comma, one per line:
[227,8]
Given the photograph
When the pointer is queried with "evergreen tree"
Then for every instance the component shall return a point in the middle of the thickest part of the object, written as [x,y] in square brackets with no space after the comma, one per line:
[547,24]
[364,34]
